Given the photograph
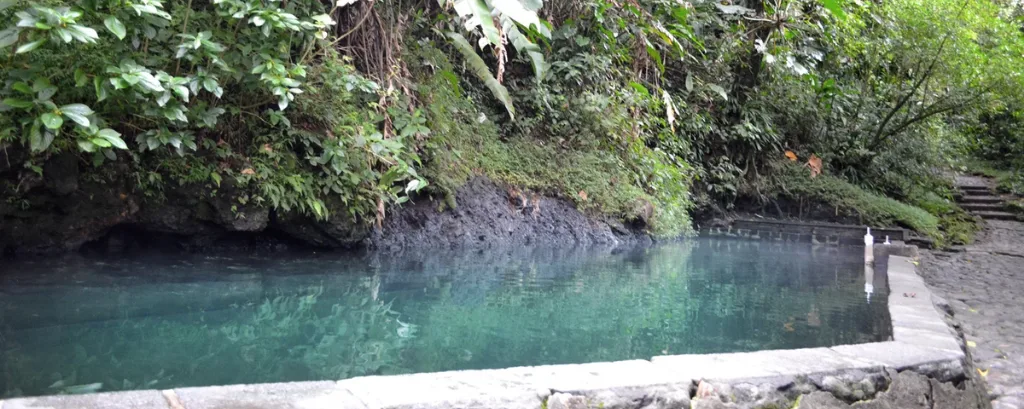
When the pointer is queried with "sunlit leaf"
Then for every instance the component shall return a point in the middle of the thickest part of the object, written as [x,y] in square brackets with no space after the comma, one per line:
[835,8]
[24,48]
[51,120]
[115,26]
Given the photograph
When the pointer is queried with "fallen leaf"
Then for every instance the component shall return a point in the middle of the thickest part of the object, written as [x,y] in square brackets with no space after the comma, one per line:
[583,195]
[972,344]
[813,319]
[983,373]
[788,327]
[791,156]
[972,310]
[248,171]
[704,390]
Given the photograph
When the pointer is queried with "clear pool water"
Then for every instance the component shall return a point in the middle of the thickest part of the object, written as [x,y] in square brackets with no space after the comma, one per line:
[83,325]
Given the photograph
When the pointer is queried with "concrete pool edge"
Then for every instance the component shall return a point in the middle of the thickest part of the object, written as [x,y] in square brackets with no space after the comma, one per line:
[923,343]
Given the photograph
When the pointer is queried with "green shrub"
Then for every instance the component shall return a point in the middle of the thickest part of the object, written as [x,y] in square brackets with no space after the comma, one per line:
[795,181]
[613,181]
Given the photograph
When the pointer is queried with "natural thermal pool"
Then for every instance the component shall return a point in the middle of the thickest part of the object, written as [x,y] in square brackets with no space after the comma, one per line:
[81,325]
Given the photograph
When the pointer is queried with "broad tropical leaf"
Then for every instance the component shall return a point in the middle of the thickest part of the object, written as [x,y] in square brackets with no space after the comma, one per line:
[479,68]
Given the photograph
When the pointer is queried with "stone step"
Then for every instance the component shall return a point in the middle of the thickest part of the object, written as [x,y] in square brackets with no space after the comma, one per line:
[979,199]
[990,215]
[982,207]
[974,188]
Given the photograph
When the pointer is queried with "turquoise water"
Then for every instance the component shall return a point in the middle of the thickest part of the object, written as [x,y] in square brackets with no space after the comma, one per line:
[84,325]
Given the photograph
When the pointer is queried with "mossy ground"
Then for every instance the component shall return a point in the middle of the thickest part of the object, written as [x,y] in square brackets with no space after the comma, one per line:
[795,181]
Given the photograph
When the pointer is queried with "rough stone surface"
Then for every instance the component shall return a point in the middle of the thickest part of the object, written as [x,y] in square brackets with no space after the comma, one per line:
[464,389]
[613,385]
[783,364]
[488,216]
[119,400]
[297,395]
[984,283]
[566,401]
[61,213]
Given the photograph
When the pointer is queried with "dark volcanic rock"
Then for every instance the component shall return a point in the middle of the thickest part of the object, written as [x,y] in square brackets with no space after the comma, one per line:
[489,215]
[62,212]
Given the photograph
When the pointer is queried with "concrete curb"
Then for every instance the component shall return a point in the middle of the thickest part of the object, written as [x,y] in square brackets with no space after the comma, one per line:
[922,342]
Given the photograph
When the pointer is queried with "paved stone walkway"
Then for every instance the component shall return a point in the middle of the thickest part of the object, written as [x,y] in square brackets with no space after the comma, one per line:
[984,283]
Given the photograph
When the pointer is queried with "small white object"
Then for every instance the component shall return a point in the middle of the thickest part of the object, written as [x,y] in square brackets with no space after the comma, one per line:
[887,241]
[869,281]
[869,248]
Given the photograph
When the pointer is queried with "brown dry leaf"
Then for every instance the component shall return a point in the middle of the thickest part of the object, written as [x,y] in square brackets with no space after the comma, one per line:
[814,318]
[583,195]
[704,390]
[248,171]
[791,156]
[815,164]
[380,214]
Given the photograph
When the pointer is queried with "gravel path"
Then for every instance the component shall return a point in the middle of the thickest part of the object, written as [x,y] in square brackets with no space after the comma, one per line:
[984,283]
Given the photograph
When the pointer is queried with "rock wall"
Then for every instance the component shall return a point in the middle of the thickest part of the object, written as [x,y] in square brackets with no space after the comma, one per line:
[489,215]
[64,210]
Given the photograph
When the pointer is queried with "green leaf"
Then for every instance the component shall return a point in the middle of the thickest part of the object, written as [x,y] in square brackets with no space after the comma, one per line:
[483,13]
[115,26]
[479,68]
[51,120]
[83,33]
[113,137]
[640,88]
[80,109]
[103,143]
[30,46]
[46,93]
[18,103]
[210,84]
[78,119]
[86,146]
[835,8]
[522,43]
[80,78]
[720,91]
[23,88]
[38,139]
[182,92]
[101,91]
[77,113]
[517,12]
[8,37]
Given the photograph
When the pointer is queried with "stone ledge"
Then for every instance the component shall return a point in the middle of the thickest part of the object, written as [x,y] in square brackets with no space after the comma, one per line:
[148,399]
[922,343]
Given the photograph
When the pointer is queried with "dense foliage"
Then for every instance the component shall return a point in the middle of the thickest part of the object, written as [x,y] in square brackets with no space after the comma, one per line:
[633,109]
